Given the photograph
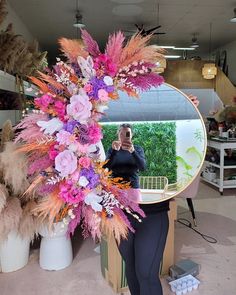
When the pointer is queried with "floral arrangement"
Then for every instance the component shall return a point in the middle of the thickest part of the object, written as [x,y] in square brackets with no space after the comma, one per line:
[15,214]
[63,139]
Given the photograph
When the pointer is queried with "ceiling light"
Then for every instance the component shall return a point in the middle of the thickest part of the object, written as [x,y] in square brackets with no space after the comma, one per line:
[160,66]
[167,47]
[78,20]
[172,56]
[233,20]
[184,48]
[194,42]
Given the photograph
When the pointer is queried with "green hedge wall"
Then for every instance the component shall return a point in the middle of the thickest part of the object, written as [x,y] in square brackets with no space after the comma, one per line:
[159,143]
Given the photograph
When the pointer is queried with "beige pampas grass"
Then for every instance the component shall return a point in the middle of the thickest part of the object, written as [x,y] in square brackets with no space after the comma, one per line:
[14,166]
[3,12]
[10,217]
[29,224]
[7,133]
[3,196]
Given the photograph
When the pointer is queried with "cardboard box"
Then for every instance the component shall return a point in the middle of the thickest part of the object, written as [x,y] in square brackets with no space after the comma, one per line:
[113,266]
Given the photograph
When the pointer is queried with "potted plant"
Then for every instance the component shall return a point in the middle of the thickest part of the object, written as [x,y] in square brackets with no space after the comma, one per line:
[17,223]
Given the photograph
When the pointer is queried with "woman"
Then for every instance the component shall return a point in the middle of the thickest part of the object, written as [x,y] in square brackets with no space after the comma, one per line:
[142,251]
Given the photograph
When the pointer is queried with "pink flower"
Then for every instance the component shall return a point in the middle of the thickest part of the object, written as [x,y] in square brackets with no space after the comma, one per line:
[71,194]
[53,153]
[43,101]
[83,148]
[88,88]
[80,107]
[60,109]
[65,138]
[95,133]
[66,163]
[85,162]
[103,95]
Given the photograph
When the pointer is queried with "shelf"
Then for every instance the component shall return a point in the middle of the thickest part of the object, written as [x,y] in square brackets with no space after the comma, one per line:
[218,166]
[217,185]
[211,182]
[8,83]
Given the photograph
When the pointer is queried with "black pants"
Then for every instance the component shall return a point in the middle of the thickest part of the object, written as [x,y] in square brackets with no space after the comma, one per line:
[142,253]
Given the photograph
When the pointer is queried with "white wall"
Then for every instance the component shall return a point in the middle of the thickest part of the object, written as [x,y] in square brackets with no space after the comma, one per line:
[186,137]
[231,59]
[18,25]
[208,98]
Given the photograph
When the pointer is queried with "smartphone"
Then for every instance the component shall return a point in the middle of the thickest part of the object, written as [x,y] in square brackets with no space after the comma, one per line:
[127,134]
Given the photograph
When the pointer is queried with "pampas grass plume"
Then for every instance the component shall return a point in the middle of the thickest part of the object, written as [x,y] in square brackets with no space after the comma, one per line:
[14,168]
[10,217]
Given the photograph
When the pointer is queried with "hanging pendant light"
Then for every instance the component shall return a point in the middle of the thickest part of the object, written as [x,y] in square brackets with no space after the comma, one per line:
[209,70]
[161,62]
[78,17]
[160,66]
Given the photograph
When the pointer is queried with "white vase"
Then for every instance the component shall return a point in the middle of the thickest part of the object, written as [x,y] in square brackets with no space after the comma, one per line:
[14,252]
[55,248]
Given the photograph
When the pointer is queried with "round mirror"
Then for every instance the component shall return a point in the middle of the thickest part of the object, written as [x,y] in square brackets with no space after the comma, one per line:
[170,129]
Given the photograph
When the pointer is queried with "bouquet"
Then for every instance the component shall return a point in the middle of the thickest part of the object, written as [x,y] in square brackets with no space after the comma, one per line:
[62,139]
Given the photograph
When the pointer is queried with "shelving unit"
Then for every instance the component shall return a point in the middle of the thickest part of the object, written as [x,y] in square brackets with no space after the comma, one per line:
[8,83]
[221,145]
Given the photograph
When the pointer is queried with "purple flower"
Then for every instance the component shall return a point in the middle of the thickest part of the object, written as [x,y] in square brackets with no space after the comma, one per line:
[83,139]
[83,129]
[70,126]
[98,84]
[91,176]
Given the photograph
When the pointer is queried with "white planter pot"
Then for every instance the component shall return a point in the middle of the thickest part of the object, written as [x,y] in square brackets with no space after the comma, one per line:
[14,253]
[55,248]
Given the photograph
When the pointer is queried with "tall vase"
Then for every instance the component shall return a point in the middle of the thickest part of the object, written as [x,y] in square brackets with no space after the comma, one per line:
[55,248]
[14,252]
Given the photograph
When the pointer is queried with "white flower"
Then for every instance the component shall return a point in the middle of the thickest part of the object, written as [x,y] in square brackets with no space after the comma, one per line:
[86,66]
[83,181]
[51,126]
[93,200]
[108,80]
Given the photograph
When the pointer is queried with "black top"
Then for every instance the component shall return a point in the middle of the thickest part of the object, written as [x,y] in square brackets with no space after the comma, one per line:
[127,165]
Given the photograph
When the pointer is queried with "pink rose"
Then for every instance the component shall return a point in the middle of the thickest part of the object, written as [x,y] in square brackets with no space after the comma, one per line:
[103,95]
[84,162]
[66,163]
[79,108]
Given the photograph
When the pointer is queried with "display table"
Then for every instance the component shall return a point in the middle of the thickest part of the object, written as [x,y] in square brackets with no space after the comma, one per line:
[113,266]
[221,145]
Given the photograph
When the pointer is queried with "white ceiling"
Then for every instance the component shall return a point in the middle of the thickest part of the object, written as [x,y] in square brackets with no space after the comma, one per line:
[49,20]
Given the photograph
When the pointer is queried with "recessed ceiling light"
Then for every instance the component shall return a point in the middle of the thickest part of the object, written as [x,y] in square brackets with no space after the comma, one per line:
[127,10]
[233,20]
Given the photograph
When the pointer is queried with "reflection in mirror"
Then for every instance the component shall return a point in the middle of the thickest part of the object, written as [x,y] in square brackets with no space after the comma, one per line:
[170,130]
